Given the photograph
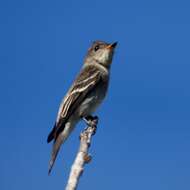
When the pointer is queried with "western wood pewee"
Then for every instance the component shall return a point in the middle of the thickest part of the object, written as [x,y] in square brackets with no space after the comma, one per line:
[85,95]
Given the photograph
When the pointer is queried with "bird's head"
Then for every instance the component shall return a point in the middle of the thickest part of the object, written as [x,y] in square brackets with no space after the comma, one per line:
[101,52]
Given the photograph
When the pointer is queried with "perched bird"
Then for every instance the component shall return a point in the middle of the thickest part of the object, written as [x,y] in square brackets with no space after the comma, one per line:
[85,95]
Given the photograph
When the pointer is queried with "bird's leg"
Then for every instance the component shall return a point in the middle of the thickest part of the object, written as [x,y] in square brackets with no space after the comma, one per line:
[91,121]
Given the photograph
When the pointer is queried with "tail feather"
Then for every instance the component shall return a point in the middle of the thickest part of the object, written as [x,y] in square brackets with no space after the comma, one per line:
[51,134]
[55,150]
[58,142]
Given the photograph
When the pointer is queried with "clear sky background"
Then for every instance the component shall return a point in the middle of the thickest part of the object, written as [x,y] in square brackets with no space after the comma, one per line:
[143,138]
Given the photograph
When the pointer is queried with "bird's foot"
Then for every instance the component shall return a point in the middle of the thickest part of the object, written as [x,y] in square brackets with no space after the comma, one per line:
[91,121]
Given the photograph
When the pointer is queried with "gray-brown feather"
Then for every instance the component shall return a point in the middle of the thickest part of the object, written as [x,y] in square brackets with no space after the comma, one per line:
[84,96]
[88,80]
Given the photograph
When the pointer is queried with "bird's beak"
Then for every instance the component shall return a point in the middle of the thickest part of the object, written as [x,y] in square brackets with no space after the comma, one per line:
[112,46]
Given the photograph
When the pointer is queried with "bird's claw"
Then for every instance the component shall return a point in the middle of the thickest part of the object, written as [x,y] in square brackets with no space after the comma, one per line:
[91,121]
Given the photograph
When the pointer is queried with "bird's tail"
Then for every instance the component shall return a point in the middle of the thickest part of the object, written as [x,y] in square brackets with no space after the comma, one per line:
[51,135]
[61,138]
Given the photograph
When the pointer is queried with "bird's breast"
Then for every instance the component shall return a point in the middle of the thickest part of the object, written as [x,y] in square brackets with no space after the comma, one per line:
[93,100]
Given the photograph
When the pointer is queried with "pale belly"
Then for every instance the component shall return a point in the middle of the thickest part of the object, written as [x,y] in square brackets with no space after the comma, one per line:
[92,102]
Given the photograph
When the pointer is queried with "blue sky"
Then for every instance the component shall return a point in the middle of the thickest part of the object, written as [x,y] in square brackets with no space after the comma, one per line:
[143,136]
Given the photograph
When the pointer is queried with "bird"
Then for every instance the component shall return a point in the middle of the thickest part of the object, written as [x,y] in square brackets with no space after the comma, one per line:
[84,96]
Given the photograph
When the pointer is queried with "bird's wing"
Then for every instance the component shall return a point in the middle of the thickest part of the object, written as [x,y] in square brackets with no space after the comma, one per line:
[86,81]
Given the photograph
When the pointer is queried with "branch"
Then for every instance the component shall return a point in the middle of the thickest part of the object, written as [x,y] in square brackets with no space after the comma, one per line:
[82,156]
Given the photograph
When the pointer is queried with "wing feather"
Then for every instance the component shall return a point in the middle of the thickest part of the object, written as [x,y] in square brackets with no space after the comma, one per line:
[87,80]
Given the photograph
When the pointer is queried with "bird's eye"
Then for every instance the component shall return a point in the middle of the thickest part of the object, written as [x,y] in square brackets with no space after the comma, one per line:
[96,48]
